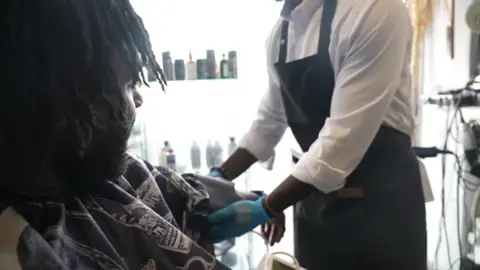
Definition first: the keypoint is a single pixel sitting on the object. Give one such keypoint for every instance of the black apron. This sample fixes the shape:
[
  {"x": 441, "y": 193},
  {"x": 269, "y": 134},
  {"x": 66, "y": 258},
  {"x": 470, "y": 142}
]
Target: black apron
[{"x": 381, "y": 224}]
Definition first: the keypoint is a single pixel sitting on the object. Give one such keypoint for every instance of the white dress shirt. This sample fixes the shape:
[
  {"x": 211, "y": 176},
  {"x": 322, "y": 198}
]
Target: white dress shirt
[{"x": 370, "y": 53}]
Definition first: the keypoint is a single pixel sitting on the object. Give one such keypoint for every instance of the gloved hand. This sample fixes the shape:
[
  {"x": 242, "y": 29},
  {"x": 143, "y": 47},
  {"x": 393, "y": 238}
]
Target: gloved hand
[
  {"x": 237, "y": 219},
  {"x": 216, "y": 173}
]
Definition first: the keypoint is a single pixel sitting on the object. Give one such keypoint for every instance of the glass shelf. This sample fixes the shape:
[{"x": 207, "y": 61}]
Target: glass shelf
[{"x": 201, "y": 110}]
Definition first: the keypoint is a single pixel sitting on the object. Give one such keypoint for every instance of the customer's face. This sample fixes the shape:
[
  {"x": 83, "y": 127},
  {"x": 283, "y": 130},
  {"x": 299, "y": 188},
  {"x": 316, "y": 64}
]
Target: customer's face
[
  {"x": 129, "y": 93},
  {"x": 68, "y": 101},
  {"x": 137, "y": 97},
  {"x": 104, "y": 156}
]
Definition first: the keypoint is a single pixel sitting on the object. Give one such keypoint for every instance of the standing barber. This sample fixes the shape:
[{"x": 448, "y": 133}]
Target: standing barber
[{"x": 339, "y": 78}]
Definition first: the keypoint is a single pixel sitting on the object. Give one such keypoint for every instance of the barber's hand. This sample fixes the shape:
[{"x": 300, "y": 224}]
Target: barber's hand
[
  {"x": 237, "y": 219},
  {"x": 276, "y": 227},
  {"x": 216, "y": 173}
]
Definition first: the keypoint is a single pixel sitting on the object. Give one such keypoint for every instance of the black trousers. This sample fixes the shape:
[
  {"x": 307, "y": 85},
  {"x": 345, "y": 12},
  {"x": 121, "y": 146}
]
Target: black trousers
[{"x": 384, "y": 229}]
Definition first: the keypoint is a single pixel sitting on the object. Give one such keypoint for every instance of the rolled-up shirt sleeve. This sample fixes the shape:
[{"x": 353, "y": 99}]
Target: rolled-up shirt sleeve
[
  {"x": 268, "y": 127},
  {"x": 365, "y": 85}
]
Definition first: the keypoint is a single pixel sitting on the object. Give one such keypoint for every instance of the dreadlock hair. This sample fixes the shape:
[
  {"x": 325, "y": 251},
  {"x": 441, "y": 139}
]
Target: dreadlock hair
[{"x": 61, "y": 87}]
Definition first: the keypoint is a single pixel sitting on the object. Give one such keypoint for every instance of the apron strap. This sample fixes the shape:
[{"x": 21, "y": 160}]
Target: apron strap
[
  {"x": 283, "y": 43},
  {"x": 329, "y": 7}
]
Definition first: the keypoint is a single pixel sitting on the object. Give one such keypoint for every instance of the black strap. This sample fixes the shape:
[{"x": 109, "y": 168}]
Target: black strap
[
  {"x": 329, "y": 7},
  {"x": 283, "y": 42},
  {"x": 328, "y": 13}
]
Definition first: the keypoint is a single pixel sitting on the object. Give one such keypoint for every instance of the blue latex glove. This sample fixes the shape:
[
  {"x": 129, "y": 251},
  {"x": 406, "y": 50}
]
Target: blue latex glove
[
  {"x": 237, "y": 219},
  {"x": 216, "y": 173}
]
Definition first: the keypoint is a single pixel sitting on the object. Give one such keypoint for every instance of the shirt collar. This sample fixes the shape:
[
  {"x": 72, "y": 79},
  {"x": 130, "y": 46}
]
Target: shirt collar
[{"x": 302, "y": 13}]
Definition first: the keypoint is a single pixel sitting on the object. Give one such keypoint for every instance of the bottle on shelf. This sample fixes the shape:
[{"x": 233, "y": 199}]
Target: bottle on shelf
[
  {"x": 218, "y": 154},
  {"x": 179, "y": 70},
  {"x": 168, "y": 66},
  {"x": 171, "y": 160},
  {"x": 224, "y": 67},
  {"x": 232, "y": 146},
  {"x": 232, "y": 64},
  {"x": 202, "y": 69},
  {"x": 211, "y": 65},
  {"x": 210, "y": 155},
  {"x": 191, "y": 68},
  {"x": 196, "y": 156},
  {"x": 163, "y": 154},
  {"x": 150, "y": 75}
]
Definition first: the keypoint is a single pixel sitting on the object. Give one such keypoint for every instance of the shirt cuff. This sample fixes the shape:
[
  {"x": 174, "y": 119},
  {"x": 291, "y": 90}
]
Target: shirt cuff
[
  {"x": 257, "y": 146},
  {"x": 319, "y": 174}
]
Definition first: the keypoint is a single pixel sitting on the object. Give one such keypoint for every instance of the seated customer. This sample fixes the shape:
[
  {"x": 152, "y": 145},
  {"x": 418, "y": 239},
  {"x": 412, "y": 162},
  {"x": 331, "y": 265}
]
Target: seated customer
[{"x": 66, "y": 114}]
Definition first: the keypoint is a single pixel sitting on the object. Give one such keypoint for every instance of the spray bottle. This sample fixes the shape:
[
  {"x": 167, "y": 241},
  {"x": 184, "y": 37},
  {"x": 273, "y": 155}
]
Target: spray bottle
[
  {"x": 232, "y": 146},
  {"x": 171, "y": 160},
  {"x": 163, "y": 154},
  {"x": 218, "y": 154},
  {"x": 210, "y": 155},
  {"x": 196, "y": 156}
]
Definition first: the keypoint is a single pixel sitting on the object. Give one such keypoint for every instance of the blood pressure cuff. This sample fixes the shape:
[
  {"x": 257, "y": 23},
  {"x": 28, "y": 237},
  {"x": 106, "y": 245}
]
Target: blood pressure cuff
[
  {"x": 127, "y": 223},
  {"x": 221, "y": 194}
]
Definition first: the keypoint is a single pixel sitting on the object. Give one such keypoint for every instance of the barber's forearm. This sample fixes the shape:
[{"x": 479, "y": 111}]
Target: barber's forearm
[
  {"x": 288, "y": 193},
  {"x": 238, "y": 163}
]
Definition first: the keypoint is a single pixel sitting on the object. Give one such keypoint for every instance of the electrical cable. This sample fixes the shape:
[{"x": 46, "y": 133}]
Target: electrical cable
[
  {"x": 442, "y": 227},
  {"x": 469, "y": 221},
  {"x": 449, "y": 135},
  {"x": 433, "y": 152},
  {"x": 442, "y": 221},
  {"x": 454, "y": 121}
]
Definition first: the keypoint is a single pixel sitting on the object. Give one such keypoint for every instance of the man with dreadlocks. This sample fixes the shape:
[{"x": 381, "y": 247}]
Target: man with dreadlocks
[{"x": 71, "y": 198}]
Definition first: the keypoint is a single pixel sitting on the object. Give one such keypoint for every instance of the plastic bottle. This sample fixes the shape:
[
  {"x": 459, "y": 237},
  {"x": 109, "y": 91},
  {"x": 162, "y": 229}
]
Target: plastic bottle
[
  {"x": 224, "y": 67},
  {"x": 179, "y": 67},
  {"x": 232, "y": 64},
  {"x": 168, "y": 68},
  {"x": 171, "y": 160},
  {"x": 218, "y": 154},
  {"x": 191, "y": 68},
  {"x": 232, "y": 146},
  {"x": 196, "y": 156},
  {"x": 163, "y": 154},
  {"x": 210, "y": 155},
  {"x": 211, "y": 65}
]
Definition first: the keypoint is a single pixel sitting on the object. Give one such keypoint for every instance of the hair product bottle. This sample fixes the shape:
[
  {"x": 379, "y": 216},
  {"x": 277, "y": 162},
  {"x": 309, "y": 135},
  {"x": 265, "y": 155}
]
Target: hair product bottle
[
  {"x": 196, "y": 156},
  {"x": 168, "y": 66},
  {"x": 211, "y": 65},
  {"x": 224, "y": 67},
  {"x": 191, "y": 68},
  {"x": 171, "y": 160},
  {"x": 179, "y": 70},
  {"x": 210, "y": 155},
  {"x": 163, "y": 154},
  {"x": 232, "y": 146},
  {"x": 218, "y": 154},
  {"x": 232, "y": 64}
]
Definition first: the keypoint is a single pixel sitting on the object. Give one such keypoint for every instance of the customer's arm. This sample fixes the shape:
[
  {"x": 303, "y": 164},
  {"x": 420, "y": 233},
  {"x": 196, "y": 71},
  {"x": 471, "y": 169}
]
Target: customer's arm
[{"x": 264, "y": 134}]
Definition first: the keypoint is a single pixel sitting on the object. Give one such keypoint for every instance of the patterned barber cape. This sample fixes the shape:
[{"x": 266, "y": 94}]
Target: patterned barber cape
[{"x": 149, "y": 219}]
